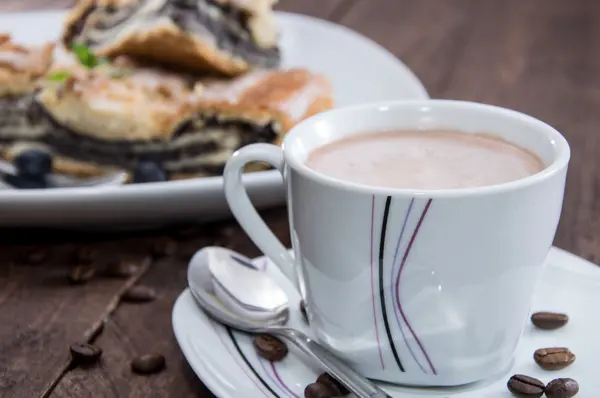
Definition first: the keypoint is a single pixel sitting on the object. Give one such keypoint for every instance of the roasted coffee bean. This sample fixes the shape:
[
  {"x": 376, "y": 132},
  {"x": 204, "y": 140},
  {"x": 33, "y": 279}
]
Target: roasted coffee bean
[
  {"x": 562, "y": 388},
  {"x": 139, "y": 294},
  {"x": 525, "y": 386},
  {"x": 303, "y": 311},
  {"x": 80, "y": 274},
  {"x": 85, "y": 354},
  {"x": 316, "y": 390},
  {"x": 333, "y": 385},
  {"x": 148, "y": 364},
  {"x": 549, "y": 320},
  {"x": 553, "y": 358},
  {"x": 121, "y": 269},
  {"x": 164, "y": 247},
  {"x": 270, "y": 347}
]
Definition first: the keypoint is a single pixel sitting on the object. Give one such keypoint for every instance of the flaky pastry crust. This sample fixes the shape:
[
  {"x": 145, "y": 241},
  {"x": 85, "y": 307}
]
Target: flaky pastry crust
[
  {"x": 21, "y": 67},
  {"x": 113, "y": 103},
  {"x": 179, "y": 48},
  {"x": 164, "y": 41},
  {"x": 269, "y": 102},
  {"x": 287, "y": 96}
]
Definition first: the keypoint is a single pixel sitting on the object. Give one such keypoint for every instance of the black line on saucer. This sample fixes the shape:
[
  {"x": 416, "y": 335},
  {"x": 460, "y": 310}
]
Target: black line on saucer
[
  {"x": 386, "y": 213},
  {"x": 239, "y": 350},
  {"x": 245, "y": 263}
]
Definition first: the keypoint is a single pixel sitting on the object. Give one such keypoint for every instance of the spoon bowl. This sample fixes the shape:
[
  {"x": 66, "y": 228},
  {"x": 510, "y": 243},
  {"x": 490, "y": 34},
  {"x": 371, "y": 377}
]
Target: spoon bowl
[
  {"x": 213, "y": 307},
  {"x": 201, "y": 273}
]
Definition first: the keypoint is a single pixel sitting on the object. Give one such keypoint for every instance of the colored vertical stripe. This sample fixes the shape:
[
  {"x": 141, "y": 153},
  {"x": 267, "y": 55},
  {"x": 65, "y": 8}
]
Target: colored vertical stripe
[
  {"x": 281, "y": 382},
  {"x": 372, "y": 261},
  {"x": 394, "y": 277},
  {"x": 213, "y": 323},
  {"x": 273, "y": 378},
  {"x": 245, "y": 263},
  {"x": 402, "y": 264},
  {"x": 384, "y": 222}
]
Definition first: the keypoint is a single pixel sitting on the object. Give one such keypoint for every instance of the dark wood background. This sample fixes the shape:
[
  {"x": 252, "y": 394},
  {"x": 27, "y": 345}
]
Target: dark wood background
[{"x": 537, "y": 56}]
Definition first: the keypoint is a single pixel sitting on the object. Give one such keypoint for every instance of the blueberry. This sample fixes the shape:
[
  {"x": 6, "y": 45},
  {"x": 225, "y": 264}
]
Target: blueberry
[
  {"x": 25, "y": 182},
  {"x": 148, "y": 172},
  {"x": 33, "y": 163}
]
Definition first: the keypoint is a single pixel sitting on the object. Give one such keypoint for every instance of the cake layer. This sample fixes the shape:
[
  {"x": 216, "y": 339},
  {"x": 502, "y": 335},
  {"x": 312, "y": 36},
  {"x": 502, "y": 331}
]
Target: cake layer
[
  {"x": 151, "y": 104},
  {"x": 288, "y": 95},
  {"x": 193, "y": 34},
  {"x": 201, "y": 144},
  {"x": 21, "y": 119},
  {"x": 84, "y": 168},
  {"x": 21, "y": 67},
  {"x": 98, "y": 119},
  {"x": 114, "y": 102},
  {"x": 22, "y": 71}
]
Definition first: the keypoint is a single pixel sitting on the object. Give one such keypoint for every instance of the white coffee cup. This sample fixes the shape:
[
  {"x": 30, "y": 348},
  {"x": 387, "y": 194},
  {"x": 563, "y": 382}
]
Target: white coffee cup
[{"x": 414, "y": 287}]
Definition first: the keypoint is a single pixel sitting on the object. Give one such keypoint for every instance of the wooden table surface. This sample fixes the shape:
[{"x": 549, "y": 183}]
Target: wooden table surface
[{"x": 541, "y": 57}]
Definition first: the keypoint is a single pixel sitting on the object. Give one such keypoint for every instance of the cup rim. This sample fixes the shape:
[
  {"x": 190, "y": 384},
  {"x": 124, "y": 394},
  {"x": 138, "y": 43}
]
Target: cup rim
[{"x": 559, "y": 163}]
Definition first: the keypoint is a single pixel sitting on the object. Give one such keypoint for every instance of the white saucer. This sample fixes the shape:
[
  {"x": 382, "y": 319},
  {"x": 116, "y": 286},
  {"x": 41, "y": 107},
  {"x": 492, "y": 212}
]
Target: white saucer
[
  {"x": 359, "y": 69},
  {"x": 227, "y": 363}
]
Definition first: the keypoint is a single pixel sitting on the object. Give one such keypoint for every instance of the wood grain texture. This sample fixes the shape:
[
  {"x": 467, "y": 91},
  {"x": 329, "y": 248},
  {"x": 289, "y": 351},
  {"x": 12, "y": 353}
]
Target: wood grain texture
[
  {"x": 541, "y": 60},
  {"x": 41, "y": 315},
  {"x": 136, "y": 329},
  {"x": 133, "y": 330},
  {"x": 538, "y": 59},
  {"x": 537, "y": 56},
  {"x": 428, "y": 36}
]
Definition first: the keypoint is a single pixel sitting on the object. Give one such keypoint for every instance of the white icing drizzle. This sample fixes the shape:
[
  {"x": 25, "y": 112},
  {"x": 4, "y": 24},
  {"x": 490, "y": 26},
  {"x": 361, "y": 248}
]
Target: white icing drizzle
[
  {"x": 253, "y": 5},
  {"x": 140, "y": 20},
  {"x": 297, "y": 105},
  {"x": 17, "y": 60},
  {"x": 145, "y": 104},
  {"x": 33, "y": 59},
  {"x": 294, "y": 105},
  {"x": 143, "y": 86},
  {"x": 228, "y": 91},
  {"x": 262, "y": 23}
]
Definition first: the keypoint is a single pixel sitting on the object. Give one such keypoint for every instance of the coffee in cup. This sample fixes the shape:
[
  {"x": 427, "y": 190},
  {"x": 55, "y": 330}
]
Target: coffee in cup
[
  {"x": 429, "y": 159},
  {"x": 417, "y": 240}
]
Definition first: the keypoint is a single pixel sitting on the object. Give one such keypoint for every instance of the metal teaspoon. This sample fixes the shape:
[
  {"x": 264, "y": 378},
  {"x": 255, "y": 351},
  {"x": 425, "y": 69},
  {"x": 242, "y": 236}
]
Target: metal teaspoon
[{"x": 272, "y": 318}]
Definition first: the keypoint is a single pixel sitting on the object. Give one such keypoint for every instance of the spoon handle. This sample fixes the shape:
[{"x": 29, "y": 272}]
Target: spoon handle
[{"x": 352, "y": 380}]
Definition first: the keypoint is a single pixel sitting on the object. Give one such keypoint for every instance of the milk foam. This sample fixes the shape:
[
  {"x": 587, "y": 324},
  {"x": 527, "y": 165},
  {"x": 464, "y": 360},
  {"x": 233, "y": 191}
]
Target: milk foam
[{"x": 430, "y": 159}]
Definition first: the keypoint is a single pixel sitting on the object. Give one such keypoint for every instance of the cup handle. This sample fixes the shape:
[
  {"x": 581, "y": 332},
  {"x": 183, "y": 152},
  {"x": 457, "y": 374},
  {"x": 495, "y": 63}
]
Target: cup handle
[{"x": 245, "y": 212}]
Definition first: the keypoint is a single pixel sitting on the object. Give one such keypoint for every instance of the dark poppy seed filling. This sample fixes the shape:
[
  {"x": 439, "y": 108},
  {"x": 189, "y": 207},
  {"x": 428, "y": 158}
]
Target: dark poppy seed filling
[
  {"x": 201, "y": 144},
  {"x": 20, "y": 119},
  {"x": 225, "y": 24},
  {"x": 75, "y": 29}
]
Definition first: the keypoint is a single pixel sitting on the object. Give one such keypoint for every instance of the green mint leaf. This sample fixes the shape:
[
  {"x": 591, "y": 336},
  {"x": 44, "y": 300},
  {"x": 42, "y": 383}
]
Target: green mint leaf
[
  {"x": 85, "y": 56},
  {"x": 59, "y": 76}
]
